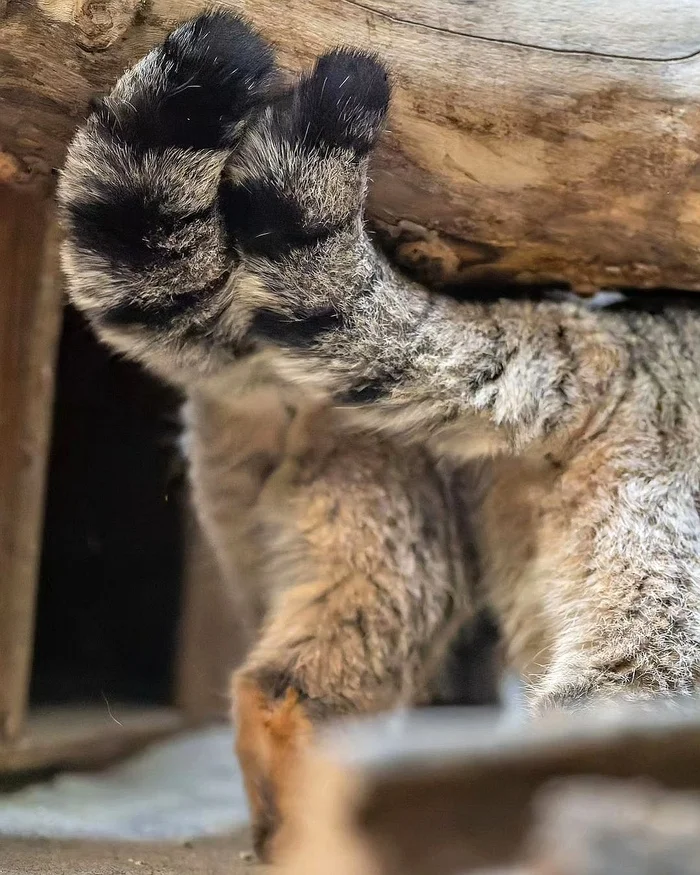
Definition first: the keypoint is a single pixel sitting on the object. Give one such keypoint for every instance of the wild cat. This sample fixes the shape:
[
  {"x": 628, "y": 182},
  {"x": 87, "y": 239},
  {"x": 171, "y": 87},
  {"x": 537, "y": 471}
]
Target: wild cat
[{"x": 214, "y": 224}]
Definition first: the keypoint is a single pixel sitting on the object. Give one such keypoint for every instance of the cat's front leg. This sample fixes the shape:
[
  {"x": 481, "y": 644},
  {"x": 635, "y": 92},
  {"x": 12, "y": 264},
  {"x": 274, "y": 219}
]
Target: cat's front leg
[{"x": 336, "y": 319}]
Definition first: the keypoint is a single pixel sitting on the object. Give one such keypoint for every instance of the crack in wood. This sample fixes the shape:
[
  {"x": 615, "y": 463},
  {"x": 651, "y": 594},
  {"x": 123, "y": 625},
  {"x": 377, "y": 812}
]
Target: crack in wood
[{"x": 581, "y": 53}]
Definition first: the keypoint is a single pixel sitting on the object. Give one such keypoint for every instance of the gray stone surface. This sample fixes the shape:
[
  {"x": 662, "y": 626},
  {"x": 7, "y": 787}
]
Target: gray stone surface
[{"x": 189, "y": 786}]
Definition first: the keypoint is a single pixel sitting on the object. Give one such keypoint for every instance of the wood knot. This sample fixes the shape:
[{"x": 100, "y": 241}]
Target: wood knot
[
  {"x": 434, "y": 258},
  {"x": 100, "y": 23},
  {"x": 10, "y": 168},
  {"x": 12, "y": 171}
]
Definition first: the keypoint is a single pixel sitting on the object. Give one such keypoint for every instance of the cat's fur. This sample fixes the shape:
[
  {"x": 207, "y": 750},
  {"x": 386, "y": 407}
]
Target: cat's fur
[{"x": 215, "y": 233}]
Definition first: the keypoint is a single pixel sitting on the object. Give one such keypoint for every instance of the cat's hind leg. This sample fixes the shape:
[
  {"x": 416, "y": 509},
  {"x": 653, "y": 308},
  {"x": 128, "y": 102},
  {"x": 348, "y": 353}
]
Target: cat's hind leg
[
  {"x": 599, "y": 597},
  {"x": 368, "y": 585}
]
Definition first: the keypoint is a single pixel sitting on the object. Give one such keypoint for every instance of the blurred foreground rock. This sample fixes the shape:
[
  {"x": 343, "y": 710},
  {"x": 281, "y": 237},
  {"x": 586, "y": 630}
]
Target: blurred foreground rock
[{"x": 615, "y": 792}]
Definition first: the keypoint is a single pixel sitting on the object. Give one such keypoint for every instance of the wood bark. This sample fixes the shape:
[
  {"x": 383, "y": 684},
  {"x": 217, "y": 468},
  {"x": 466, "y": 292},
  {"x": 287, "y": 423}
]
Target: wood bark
[
  {"x": 544, "y": 140},
  {"x": 86, "y": 736}
]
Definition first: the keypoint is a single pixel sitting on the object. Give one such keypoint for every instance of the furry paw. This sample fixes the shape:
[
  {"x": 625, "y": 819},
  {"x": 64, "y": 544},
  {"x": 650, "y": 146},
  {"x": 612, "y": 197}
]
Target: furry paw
[
  {"x": 196, "y": 90},
  {"x": 299, "y": 177},
  {"x": 271, "y": 735},
  {"x": 343, "y": 102}
]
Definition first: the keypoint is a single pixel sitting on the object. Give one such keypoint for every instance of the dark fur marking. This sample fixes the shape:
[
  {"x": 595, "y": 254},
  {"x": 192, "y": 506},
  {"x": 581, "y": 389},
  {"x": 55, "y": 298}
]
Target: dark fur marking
[
  {"x": 298, "y": 332},
  {"x": 268, "y": 820},
  {"x": 386, "y": 598},
  {"x": 275, "y": 682},
  {"x": 265, "y": 221},
  {"x": 323, "y": 597},
  {"x": 333, "y": 105},
  {"x": 683, "y": 353},
  {"x": 569, "y": 371},
  {"x": 163, "y": 314},
  {"x": 123, "y": 227},
  {"x": 489, "y": 372},
  {"x": 368, "y": 393},
  {"x": 492, "y": 369}
]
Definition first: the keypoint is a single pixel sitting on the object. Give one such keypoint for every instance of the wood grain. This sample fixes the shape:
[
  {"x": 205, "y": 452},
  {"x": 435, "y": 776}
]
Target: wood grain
[
  {"x": 648, "y": 30},
  {"x": 541, "y": 141},
  {"x": 30, "y": 308},
  {"x": 538, "y": 164},
  {"x": 99, "y": 25}
]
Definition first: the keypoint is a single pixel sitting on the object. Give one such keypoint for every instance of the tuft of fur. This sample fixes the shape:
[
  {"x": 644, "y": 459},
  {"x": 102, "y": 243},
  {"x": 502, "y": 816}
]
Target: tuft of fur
[{"x": 215, "y": 233}]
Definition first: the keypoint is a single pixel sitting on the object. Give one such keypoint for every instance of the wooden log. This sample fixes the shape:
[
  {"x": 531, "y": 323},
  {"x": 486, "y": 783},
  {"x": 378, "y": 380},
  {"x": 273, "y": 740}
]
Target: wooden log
[
  {"x": 30, "y": 308},
  {"x": 542, "y": 140},
  {"x": 445, "y": 792}
]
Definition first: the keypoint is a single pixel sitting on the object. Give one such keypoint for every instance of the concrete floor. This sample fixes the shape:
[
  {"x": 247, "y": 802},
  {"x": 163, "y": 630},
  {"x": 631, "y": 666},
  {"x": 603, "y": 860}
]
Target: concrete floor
[
  {"x": 201, "y": 857},
  {"x": 177, "y": 808},
  {"x": 188, "y": 787}
]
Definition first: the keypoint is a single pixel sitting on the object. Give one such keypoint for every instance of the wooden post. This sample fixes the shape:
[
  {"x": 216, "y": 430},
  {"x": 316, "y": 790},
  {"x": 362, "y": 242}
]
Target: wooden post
[{"x": 30, "y": 307}]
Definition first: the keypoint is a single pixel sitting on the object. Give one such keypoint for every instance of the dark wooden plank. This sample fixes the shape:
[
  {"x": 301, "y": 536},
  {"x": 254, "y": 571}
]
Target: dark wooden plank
[
  {"x": 447, "y": 791},
  {"x": 30, "y": 307}
]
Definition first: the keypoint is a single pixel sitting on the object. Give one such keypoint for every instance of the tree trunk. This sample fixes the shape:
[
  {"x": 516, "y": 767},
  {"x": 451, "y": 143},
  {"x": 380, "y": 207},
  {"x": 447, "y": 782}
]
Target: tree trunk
[{"x": 542, "y": 140}]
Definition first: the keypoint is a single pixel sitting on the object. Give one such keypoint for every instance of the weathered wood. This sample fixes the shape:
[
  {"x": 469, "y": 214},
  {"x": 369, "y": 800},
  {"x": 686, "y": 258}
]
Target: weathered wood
[
  {"x": 594, "y": 826},
  {"x": 30, "y": 307},
  {"x": 544, "y": 164},
  {"x": 646, "y": 30},
  {"x": 99, "y": 25},
  {"x": 439, "y": 793},
  {"x": 548, "y": 141},
  {"x": 85, "y": 736}
]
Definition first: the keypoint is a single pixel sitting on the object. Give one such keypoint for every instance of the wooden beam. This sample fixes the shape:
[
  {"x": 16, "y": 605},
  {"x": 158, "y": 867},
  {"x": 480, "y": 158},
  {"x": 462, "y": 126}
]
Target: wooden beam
[
  {"x": 30, "y": 308},
  {"x": 586, "y": 826}
]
